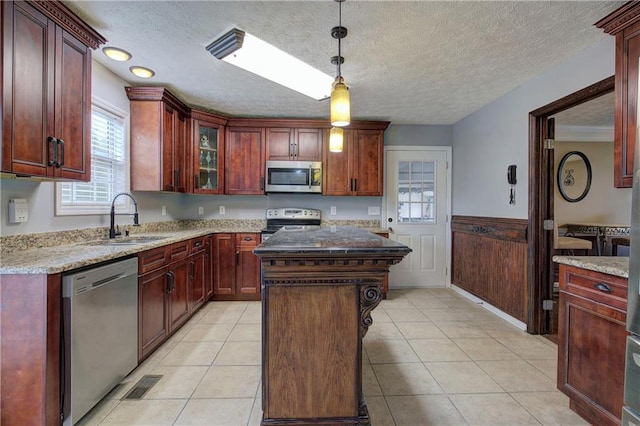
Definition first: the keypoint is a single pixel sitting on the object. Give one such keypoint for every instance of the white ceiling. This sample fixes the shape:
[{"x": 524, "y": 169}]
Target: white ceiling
[{"x": 420, "y": 62}]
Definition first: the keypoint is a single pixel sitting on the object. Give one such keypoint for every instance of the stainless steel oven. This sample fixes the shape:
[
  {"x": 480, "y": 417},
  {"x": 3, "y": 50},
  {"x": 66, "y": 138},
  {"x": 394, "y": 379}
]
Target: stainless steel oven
[
  {"x": 294, "y": 176},
  {"x": 289, "y": 216}
]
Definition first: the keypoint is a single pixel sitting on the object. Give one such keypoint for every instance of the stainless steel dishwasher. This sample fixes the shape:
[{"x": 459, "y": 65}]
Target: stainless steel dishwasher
[{"x": 100, "y": 333}]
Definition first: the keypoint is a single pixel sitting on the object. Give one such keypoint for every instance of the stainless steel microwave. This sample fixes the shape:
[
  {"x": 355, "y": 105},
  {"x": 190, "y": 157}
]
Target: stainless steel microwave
[{"x": 294, "y": 176}]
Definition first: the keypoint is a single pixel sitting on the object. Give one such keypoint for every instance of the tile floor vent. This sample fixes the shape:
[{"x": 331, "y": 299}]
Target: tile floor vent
[{"x": 143, "y": 386}]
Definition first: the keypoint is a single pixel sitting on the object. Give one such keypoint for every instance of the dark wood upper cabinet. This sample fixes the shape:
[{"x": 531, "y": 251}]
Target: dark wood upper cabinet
[
  {"x": 206, "y": 153},
  {"x": 244, "y": 161},
  {"x": 296, "y": 144},
  {"x": 159, "y": 126},
  {"x": 624, "y": 24},
  {"x": 358, "y": 169},
  {"x": 46, "y": 85}
]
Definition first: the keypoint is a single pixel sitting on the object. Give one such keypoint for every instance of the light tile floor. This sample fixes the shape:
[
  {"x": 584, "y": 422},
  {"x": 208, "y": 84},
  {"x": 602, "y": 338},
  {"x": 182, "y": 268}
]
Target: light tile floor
[{"x": 431, "y": 357}]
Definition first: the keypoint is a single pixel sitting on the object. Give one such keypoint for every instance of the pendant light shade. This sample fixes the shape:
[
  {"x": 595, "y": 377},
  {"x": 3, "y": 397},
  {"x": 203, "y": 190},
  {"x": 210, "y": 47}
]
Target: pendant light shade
[
  {"x": 340, "y": 104},
  {"x": 336, "y": 139}
]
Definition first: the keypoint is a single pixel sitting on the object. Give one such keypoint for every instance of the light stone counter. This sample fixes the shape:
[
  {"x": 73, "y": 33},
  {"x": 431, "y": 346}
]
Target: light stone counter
[
  {"x": 612, "y": 265},
  {"x": 55, "y": 252}
]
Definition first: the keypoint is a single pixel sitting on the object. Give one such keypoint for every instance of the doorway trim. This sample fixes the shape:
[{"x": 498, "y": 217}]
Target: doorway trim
[{"x": 541, "y": 191}]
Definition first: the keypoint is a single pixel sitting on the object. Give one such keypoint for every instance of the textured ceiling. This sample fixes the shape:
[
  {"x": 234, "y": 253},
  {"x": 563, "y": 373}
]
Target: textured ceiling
[
  {"x": 420, "y": 62},
  {"x": 598, "y": 112}
]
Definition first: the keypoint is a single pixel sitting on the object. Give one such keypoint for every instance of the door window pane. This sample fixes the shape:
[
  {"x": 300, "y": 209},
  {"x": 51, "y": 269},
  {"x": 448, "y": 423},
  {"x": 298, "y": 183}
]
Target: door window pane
[{"x": 416, "y": 192}]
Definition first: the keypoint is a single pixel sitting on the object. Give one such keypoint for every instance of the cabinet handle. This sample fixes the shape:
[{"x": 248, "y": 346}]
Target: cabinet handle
[
  {"x": 237, "y": 257},
  {"x": 170, "y": 282},
  {"x": 603, "y": 287},
  {"x": 196, "y": 182},
  {"x": 61, "y": 162},
  {"x": 261, "y": 184},
  {"x": 176, "y": 177},
  {"x": 247, "y": 238},
  {"x": 193, "y": 269},
  {"x": 197, "y": 243},
  {"x": 355, "y": 184},
  {"x": 54, "y": 150}
]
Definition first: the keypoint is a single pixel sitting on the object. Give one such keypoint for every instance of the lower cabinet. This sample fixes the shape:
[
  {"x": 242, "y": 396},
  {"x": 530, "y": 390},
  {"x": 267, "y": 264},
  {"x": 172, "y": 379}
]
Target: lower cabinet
[
  {"x": 236, "y": 270},
  {"x": 171, "y": 286},
  {"x": 591, "y": 343}
]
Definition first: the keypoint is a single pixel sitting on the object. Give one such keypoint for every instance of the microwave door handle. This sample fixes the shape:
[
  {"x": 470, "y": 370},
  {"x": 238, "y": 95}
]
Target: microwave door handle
[{"x": 310, "y": 177}]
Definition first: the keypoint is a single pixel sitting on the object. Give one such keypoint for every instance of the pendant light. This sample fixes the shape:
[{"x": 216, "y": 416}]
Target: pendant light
[
  {"x": 336, "y": 138},
  {"x": 340, "y": 104}
]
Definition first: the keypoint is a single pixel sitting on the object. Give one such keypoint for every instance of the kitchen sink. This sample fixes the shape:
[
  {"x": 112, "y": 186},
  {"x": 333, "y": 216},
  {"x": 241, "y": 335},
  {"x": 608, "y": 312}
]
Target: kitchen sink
[{"x": 126, "y": 241}]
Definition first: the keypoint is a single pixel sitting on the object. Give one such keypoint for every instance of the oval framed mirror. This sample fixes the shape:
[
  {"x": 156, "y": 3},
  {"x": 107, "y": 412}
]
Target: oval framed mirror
[{"x": 574, "y": 176}]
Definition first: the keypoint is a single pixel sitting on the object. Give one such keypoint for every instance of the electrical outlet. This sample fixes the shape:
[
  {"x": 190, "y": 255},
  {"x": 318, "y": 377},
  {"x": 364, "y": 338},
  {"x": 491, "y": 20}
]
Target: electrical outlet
[
  {"x": 221, "y": 210},
  {"x": 373, "y": 211},
  {"x": 200, "y": 210},
  {"x": 333, "y": 210},
  {"x": 164, "y": 210}
]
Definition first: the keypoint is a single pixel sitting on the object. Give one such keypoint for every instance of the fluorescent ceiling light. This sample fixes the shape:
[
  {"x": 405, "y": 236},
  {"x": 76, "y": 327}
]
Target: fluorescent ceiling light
[{"x": 248, "y": 52}]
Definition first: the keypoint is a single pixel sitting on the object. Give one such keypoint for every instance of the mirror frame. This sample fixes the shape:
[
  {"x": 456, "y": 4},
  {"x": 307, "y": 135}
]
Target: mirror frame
[{"x": 559, "y": 177}]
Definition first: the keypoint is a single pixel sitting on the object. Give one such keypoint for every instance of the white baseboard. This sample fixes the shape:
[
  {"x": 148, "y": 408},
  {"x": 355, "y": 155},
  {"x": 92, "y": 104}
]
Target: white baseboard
[{"x": 490, "y": 308}]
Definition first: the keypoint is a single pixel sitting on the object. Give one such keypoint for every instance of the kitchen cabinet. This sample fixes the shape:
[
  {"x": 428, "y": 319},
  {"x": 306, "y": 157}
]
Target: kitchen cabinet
[
  {"x": 295, "y": 144},
  {"x": 46, "y": 85},
  {"x": 237, "y": 270},
  {"x": 591, "y": 343},
  {"x": 198, "y": 264},
  {"x": 357, "y": 170},
  {"x": 30, "y": 349},
  {"x": 207, "y": 153},
  {"x": 170, "y": 289},
  {"x": 159, "y": 127},
  {"x": 624, "y": 24},
  {"x": 244, "y": 161}
]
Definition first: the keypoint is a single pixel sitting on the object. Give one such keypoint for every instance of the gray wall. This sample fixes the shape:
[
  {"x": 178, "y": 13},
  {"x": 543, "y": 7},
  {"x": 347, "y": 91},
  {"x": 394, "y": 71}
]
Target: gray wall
[
  {"x": 486, "y": 142},
  {"x": 428, "y": 135}
]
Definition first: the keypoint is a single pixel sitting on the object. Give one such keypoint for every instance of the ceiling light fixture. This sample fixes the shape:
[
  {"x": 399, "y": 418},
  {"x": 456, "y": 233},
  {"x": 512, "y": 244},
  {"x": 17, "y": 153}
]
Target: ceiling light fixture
[
  {"x": 340, "y": 103},
  {"x": 252, "y": 54},
  {"x": 142, "y": 72},
  {"x": 116, "y": 54}
]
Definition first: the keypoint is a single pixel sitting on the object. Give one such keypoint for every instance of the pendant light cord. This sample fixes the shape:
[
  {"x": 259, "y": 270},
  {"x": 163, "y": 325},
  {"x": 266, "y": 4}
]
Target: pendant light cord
[{"x": 339, "y": 38}]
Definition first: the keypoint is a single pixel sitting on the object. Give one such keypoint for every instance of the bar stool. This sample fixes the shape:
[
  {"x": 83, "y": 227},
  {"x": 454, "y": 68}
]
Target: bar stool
[
  {"x": 618, "y": 241},
  {"x": 570, "y": 244}
]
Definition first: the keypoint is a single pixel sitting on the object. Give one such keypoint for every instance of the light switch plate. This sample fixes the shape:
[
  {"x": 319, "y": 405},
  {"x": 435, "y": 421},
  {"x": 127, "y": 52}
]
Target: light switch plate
[{"x": 373, "y": 211}]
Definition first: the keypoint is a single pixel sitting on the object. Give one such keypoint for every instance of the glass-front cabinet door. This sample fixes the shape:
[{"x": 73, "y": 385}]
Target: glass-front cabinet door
[{"x": 207, "y": 154}]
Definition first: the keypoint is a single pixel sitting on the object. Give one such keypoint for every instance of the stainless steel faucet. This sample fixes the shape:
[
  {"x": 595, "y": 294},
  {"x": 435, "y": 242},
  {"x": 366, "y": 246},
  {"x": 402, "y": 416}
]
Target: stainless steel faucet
[{"x": 112, "y": 228}]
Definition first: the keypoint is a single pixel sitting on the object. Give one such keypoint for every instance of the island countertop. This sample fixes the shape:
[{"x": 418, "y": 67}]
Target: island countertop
[{"x": 328, "y": 239}]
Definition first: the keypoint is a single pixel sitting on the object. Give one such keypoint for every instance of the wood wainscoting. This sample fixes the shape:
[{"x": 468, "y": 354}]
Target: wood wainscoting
[{"x": 489, "y": 260}]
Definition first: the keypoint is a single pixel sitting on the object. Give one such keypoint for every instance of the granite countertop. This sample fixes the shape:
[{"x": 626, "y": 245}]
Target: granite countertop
[
  {"x": 612, "y": 265},
  {"x": 328, "y": 239},
  {"x": 56, "y": 252}
]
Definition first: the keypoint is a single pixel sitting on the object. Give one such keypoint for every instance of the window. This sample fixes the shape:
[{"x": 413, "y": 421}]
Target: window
[
  {"x": 416, "y": 192},
  {"x": 109, "y": 167}
]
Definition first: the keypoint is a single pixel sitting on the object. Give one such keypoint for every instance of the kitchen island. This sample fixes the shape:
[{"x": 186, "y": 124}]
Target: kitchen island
[{"x": 319, "y": 286}]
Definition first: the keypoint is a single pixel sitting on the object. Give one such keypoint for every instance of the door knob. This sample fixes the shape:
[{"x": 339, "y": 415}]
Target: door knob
[{"x": 390, "y": 220}]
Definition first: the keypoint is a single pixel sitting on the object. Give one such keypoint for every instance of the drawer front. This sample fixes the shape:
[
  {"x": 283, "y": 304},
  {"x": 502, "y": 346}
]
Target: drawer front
[
  {"x": 250, "y": 239},
  {"x": 152, "y": 259},
  {"x": 198, "y": 244},
  {"x": 179, "y": 250},
  {"x": 603, "y": 288}
]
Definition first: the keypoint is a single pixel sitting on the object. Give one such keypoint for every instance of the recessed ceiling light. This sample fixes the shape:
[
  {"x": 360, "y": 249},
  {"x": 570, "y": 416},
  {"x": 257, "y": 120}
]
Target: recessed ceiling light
[
  {"x": 116, "y": 54},
  {"x": 142, "y": 72},
  {"x": 252, "y": 54}
]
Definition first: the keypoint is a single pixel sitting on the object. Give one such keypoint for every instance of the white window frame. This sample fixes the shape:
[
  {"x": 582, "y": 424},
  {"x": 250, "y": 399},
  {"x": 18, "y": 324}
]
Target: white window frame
[{"x": 123, "y": 204}]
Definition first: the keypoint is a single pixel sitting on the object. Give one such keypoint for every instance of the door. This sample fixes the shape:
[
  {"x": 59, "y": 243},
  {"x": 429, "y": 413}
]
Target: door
[{"x": 417, "y": 211}]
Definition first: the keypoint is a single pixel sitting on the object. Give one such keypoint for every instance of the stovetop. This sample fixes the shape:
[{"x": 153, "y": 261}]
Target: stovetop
[{"x": 277, "y": 218}]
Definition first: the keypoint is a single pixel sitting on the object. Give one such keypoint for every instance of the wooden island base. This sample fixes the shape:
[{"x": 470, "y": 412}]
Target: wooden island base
[{"x": 316, "y": 305}]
